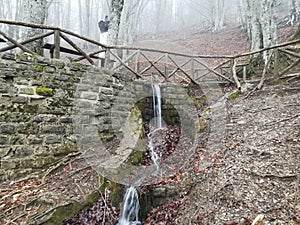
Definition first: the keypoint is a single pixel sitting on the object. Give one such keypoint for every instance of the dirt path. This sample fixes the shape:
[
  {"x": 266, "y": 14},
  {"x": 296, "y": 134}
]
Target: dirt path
[{"x": 258, "y": 170}]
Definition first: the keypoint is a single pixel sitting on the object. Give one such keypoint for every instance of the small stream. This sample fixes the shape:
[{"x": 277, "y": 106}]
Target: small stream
[{"x": 130, "y": 205}]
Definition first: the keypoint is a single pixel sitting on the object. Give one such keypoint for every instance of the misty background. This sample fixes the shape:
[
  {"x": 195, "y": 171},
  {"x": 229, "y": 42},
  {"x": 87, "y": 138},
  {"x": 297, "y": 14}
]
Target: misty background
[{"x": 138, "y": 16}]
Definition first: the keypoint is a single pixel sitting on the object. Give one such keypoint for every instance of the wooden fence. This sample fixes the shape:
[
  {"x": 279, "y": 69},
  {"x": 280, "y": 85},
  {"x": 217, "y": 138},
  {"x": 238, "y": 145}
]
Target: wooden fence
[{"x": 145, "y": 62}]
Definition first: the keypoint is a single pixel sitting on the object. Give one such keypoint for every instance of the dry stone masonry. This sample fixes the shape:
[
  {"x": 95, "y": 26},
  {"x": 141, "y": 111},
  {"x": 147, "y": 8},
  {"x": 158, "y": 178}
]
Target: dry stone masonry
[{"x": 39, "y": 98}]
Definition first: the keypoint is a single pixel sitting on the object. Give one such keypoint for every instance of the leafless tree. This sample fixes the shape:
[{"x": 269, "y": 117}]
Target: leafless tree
[
  {"x": 261, "y": 22},
  {"x": 115, "y": 20},
  {"x": 34, "y": 11}
]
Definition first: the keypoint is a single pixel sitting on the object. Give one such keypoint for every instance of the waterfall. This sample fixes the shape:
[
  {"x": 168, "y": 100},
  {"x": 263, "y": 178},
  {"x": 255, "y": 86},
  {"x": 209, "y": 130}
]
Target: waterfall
[
  {"x": 156, "y": 95},
  {"x": 154, "y": 156},
  {"x": 130, "y": 208}
]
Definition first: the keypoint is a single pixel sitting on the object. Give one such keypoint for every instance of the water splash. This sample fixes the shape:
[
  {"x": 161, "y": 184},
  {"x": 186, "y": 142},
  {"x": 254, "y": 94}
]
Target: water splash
[{"x": 130, "y": 208}]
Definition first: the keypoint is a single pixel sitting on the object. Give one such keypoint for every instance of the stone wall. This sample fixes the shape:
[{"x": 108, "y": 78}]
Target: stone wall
[
  {"x": 37, "y": 111},
  {"x": 43, "y": 101}
]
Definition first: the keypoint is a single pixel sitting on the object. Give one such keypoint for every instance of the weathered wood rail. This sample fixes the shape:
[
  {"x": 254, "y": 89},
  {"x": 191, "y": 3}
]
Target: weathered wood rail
[{"x": 146, "y": 62}]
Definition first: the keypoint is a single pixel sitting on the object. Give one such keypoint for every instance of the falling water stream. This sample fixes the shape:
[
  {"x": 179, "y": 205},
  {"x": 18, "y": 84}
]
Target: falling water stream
[
  {"x": 156, "y": 95},
  {"x": 130, "y": 207}
]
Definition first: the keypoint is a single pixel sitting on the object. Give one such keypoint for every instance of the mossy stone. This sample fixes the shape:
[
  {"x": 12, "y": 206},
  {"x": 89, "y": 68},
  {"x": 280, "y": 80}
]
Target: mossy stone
[
  {"x": 234, "y": 94},
  {"x": 27, "y": 91},
  {"x": 44, "y": 91}
]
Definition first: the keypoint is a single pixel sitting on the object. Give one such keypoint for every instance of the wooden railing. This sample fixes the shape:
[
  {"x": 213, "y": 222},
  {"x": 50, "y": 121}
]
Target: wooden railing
[{"x": 147, "y": 63}]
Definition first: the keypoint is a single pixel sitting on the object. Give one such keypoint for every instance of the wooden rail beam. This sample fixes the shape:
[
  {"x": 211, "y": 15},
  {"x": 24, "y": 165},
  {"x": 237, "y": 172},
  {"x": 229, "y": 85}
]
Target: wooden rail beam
[
  {"x": 125, "y": 61},
  {"x": 127, "y": 67},
  {"x": 214, "y": 71},
  {"x": 153, "y": 65},
  {"x": 149, "y": 67},
  {"x": 76, "y": 47},
  {"x": 17, "y": 43},
  {"x": 26, "y": 41}
]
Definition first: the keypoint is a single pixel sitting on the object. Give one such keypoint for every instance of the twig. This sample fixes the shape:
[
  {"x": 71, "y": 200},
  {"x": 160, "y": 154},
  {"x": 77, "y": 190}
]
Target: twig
[
  {"x": 59, "y": 164},
  {"x": 269, "y": 175},
  {"x": 16, "y": 218},
  {"x": 282, "y": 120},
  {"x": 104, "y": 201},
  {"x": 79, "y": 188}
]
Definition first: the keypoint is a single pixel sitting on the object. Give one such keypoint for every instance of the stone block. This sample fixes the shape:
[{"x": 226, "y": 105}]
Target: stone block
[
  {"x": 7, "y": 129},
  {"x": 28, "y": 128},
  {"x": 20, "y": 100},
  {"x": 4, "y": 139},
  {"x": 52, "y": 139},
  {"x": 8, "y": 164},
  {"x": 50, "y": 69},
  {"x": 66, "y": 119},
  {"x": 8, "y": 56},
  {"x": 17, "y": 140},
  {"x": 89, "y": 95},
  {"x": 26, "y": 91},
  {"x": 23, "y": 151},
  {"x": 37, "y": 119},
  {"x": 54, "y": 129},
  {"x": 106, "y": 91},
  {"x": 34, "y": 140}
]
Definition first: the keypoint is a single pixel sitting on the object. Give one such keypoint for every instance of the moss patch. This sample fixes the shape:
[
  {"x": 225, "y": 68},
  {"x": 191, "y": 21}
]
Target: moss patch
[
  {"x": 234, "y": 94},
  {"x": 71, "y": 209},
  {"x": 39, "y": 67},
  {"x": 44, "y": 91}
]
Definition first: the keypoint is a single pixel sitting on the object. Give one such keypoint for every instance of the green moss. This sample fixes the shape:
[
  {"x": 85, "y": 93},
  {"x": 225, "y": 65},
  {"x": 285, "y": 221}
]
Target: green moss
[
  {"x": 296, "y": 35},
  {"x": 39, "y": 67},
  {"x": 69, "y": 210},
  {"x": 234, "y": 94},
  {"x": 25, "y": 57},
  {"x": 45, "y": 91},
  {"x": 199, "y": 101},
  {"x": 201, "y": 123},
  {"x": 77, "y": 64},
  {"x": 30, "y": 108},
  {"x": 135, "y": 158}
]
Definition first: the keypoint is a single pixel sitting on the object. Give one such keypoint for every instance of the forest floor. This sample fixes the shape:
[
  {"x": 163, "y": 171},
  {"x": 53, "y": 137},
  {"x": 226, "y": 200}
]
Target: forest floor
[
  {"x": 246, "y": 164},
  {"x": 252, "y": 171}
]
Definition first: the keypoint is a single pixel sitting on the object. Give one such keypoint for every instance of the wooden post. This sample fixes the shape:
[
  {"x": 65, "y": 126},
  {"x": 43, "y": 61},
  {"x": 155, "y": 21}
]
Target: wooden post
[
  {"x": 137, "y": 61},
  {"x": 56, "y": 50},
  {"x": 107, "y": 58},
  {"x": 276, "y": 63},
  {"x": 233, "y": 70},
  {"x": 193, "y": 68},
  {"x": 244, "y": 73},
  {"x": 166, "y": 66}
]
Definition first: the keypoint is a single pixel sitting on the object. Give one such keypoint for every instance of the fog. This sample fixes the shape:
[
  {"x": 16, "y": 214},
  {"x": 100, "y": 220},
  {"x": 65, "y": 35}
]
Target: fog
[{"x": 138, "y": 17}]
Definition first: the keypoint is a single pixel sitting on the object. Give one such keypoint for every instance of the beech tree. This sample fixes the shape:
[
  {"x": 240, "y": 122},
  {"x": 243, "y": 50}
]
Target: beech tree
[
  {"x": 294, "y": 6},
  {"x": 261, "y": 22},
  {"x": 218, "y": 14},
  {"x": 34, "y": 11},
  {"x": 115, "y": 19},
  {"x": 131, "y": 15}
]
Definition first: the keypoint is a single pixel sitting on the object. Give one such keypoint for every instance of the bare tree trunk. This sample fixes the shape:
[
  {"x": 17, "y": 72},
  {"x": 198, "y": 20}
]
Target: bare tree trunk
[
  {"x": 114, "y": 27},
  {"x": 261, "y": 19},
  {"x": 80, "y": 17},
  {"x": 34, "y": 12},
  {"x": 294, "y": 6},
  {"x": 67, "y": 21},
  {"x": 219, "y": 14}
]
